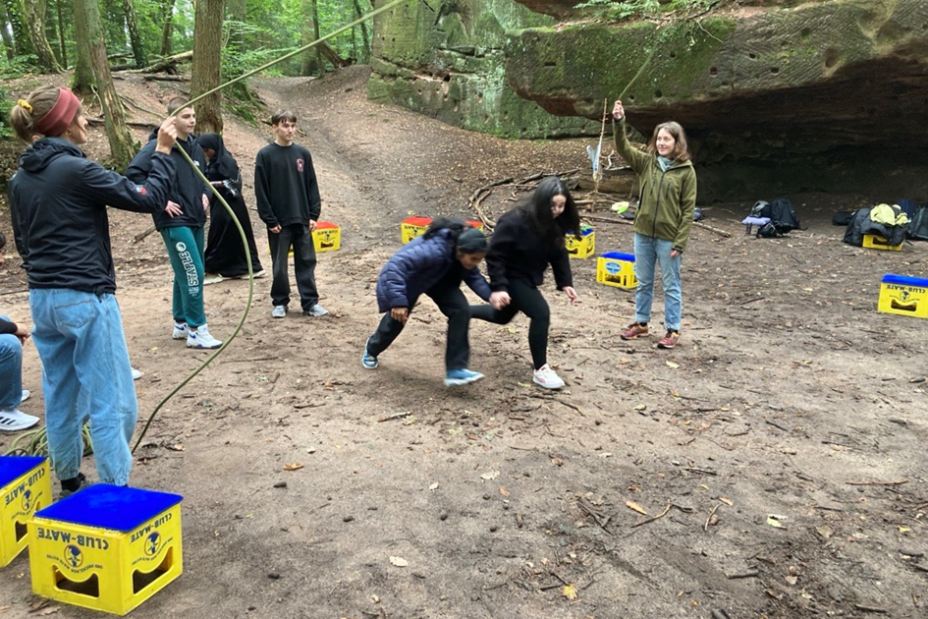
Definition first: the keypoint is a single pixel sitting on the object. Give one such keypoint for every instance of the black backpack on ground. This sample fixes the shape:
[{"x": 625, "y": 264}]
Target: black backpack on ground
[
  {"x": 918, "y": 226},
  {"x": 783, "y": 216}
]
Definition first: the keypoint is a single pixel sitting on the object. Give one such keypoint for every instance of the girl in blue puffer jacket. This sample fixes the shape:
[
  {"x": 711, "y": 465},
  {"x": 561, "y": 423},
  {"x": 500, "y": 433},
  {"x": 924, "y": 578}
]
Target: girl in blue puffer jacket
[{"x": 433, "y": 264}]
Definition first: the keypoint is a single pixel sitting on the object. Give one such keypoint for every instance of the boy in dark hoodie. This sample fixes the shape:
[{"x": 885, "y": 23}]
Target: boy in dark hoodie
[{"x": 183, "y": 233}]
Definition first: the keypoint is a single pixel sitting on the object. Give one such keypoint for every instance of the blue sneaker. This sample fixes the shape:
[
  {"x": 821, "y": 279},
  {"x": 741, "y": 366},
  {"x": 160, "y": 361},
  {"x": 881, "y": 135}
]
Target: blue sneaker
[
  {"x": 461, "y": 377},
  {"x": 368, "y": 360}
]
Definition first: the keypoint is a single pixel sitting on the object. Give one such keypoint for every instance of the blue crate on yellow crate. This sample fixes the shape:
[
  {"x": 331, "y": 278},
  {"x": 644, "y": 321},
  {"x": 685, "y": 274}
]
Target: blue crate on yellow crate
[
  {"x": 106, "y": 547},
  {"x": 25, "y": 487},
  {"x": 327, "y": 236},
  {"x": 585, "y": 246},
  {"x": 616, "y": 269},
  {"x": 903, "y": 295}
]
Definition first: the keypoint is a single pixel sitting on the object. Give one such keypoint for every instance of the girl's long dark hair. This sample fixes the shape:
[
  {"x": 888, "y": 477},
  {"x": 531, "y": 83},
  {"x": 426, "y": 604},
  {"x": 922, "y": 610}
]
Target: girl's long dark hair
[
  {"x": 465, "y": 237},
  {"x": 538, "y": 208}
]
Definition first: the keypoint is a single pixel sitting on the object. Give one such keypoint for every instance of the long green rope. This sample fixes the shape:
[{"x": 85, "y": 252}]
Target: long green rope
[{"x": 36, "y": 442}]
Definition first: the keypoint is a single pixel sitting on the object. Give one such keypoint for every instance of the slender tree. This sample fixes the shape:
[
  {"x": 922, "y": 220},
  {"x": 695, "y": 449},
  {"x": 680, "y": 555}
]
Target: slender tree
[
  {"x": 167, "y": 31},
  {"x": 16, "y": 13},
  {"x": 135, "y": 37},
  {"x": 312, "y": 60},
  {"x": 235, "y": 12},
  {"x": 83, "y": 79},
  {"x": 88, "y": 30},
  {"x": 34, "y": 12},
  {"x": 8, "y": 45},
  {"x": 207, "y": 63},
  {"x": 365, "y": 39},
  {"x": 59, "y": 26}
]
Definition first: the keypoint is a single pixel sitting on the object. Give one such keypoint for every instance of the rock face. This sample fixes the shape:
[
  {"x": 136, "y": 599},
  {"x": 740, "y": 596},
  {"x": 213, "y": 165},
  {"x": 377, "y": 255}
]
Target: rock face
[
  {"x": 820, "y": 96},
  {"x": 444, "y": 58}
]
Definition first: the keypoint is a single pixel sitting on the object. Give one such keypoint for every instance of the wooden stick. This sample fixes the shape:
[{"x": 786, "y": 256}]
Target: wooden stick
[
  {"x": 711, "y": 513},
  {"x": 141, "y": 236},
  {"x": 394, "y": 416},
  {"x": 878, "y": 483},
  {"x": 657, "y": 517},
  {"x": 699, "y": 224}
]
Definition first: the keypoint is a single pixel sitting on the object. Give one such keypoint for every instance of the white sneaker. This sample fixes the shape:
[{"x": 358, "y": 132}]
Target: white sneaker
[
  {"x": 16, "y": 420},
  {"x": 200, "y": 338},
  {"x": 279, "y": 311},
  {"x": 180, "y": 331},
  {"x": 136, "y": 374},
  {"x": 316, "y": 311},
  {"x": 547, "y": 378},
  {"x": 212, "y": 279},
  {"x": 26, "y": 394}
]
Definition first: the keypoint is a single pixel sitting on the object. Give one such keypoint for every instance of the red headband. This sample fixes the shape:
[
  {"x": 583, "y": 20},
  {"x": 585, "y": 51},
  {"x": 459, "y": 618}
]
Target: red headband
[{"x": 61, "y": 115}]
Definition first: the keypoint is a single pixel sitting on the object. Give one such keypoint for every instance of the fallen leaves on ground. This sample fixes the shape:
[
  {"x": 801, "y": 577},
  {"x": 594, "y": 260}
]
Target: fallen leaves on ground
[
  {"x": 293, "y": 466},
  {"x": 635, "y": 507},
  {"x": 399, "y": 561}
]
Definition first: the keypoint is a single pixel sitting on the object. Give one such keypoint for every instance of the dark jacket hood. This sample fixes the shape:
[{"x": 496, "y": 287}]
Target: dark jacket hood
[{"x": 42, "y": 152}]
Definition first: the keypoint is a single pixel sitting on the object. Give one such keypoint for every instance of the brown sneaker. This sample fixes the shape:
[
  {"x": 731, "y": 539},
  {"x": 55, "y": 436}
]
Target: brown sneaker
[
  {"x": 670, "y": 340},
  {"x": 634, "y": 331}
]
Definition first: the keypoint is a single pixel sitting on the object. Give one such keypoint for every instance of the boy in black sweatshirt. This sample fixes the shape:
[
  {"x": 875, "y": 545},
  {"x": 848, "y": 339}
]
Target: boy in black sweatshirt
[
  {"x": 289, "y": 204},
  {"x": 181, "y": 226}
]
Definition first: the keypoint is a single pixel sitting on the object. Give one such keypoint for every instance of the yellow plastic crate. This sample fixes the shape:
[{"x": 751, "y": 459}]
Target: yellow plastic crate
[
  {"x": 25, "y": 487},
  {"x": 616, "y": 269},
  {"x": 411, "y": 227},
  {"x": 903, "y": 295},
  {"x": 585, "y": 246},
  {"x": 106, "y": 547},
  {"x": 875, "y": 241},
  {"x": 327, "y": 236}
]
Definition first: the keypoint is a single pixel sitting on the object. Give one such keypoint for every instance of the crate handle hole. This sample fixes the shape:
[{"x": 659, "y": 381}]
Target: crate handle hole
[
  {"x": 140, "y": 579},
  {"x": 905, "y": 307},
  {"x": 89, "y": 587}
]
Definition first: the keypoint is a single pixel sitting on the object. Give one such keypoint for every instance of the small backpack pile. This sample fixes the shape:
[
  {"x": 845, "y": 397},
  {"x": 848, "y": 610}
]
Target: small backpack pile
[{"x": 781, "y": 214}]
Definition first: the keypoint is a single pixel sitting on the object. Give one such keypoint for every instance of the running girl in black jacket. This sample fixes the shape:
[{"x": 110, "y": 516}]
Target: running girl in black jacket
[
  {"x": 526, "y": 240},
  {"x": 58, "y": 201}
]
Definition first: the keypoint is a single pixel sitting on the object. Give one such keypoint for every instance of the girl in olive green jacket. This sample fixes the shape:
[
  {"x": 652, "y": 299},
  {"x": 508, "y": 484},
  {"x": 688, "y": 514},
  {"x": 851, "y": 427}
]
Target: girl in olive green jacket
[{"x": 667, "y": 185}]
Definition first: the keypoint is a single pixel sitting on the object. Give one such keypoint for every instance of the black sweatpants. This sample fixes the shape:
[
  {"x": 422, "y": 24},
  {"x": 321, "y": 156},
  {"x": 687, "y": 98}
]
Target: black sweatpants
[
  {"x": 452, "y": 303},
  {"x": 526, "y": 298},
  {"x": 300, "y": 238}
]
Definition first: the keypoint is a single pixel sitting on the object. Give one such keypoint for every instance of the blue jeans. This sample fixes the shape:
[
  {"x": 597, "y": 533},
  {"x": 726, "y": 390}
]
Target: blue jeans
[
  {"x": 11, "y": 371},
  {"x": 86, "y": 375},
  {"x": 185, "y": 250},
  {"x": 650, "y": 251}
]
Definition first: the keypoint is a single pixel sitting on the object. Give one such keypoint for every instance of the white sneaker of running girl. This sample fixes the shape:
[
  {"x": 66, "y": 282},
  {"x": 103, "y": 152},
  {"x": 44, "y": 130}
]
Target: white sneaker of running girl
[
  {"x": 200, "y": 338},
  {"x": 16, "y": 420},
  {"x": 26, "y": 394},
  {"x": 180, "y": 331},
  {"x": 547, "y": 378}
]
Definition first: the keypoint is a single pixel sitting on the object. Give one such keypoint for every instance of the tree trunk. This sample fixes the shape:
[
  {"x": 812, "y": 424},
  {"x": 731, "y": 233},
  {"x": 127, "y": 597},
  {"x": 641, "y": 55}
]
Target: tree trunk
[
  {"x": 83, "y": 69},
  {"x": 312, "y": 60},
  {"x": 62, "y": 48},
  {"x": 7, "y": 38},
  {"x": 235, "y": 12},
  {"x": 22, "y": 42},
  {"x": 135, "y": 37},
  {"x": 35, "y": 19},
  {"x": 207, "y": 64},
  {"x": 117, "y": 132},
  {"x": 167, "y": 33},
  {"x": 365, "y": 54}
]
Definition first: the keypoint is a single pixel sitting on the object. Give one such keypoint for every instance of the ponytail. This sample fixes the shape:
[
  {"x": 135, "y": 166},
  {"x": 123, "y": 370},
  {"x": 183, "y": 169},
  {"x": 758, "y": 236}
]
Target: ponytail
[{"x": 48, "y": 111}]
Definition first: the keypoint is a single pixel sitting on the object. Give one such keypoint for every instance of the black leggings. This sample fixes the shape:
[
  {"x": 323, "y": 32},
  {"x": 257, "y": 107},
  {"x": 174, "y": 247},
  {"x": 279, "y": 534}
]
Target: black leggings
[{"x": 527, "y": 299}]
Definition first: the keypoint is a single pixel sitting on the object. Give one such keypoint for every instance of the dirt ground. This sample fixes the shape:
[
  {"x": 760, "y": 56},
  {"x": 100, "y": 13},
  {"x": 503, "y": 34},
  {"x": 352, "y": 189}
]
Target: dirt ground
[{"x": 778, "y": 452}]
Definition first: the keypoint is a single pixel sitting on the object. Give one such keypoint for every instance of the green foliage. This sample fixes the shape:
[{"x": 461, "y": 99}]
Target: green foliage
[{"x": 6, "y": 132}]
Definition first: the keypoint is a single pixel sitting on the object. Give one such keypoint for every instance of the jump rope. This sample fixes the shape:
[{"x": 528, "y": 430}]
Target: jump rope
[{"x": 37, "y": 442}]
